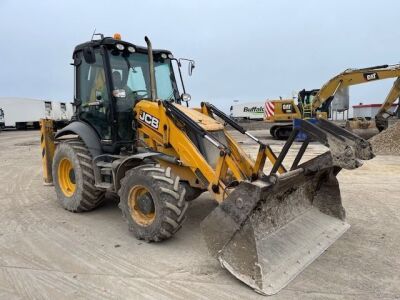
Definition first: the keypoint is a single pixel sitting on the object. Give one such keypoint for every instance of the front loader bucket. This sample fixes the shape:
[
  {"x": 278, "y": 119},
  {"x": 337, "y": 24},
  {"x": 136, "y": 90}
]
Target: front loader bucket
[{"x": 267, "y": 231}]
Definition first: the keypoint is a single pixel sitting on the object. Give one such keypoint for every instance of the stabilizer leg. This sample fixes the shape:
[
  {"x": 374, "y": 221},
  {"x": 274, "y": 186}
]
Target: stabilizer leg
[{"x": 47, "y": 145}]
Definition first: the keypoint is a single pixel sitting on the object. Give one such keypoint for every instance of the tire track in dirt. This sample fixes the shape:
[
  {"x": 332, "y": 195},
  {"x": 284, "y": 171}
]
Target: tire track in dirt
[{"x": 46, "y": 252}]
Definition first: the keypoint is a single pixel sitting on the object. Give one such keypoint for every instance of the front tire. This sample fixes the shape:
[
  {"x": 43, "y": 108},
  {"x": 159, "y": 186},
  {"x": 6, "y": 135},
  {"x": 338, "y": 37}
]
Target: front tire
[
  {"x": 73, "y": 177},
  {"x": 152, "y": 201}
]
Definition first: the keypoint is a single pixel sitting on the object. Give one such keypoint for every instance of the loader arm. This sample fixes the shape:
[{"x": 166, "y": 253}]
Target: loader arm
[
  {"x": 353, "y": 77},
  {"x": 200, "y": 144}
]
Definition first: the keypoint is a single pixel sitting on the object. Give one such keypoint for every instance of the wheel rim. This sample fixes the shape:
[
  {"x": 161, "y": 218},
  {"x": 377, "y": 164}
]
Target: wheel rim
[
  {"x": 141, "y": 205},
  {"x": 66, "y": 177}
]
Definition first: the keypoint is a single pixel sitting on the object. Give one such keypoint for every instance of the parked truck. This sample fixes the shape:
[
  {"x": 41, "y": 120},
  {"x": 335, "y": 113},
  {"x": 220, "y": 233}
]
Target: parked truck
[
  {"x": 248, "y": 111},
  {"x": 62, "y": 113},
  {"x": 24, "y": 113}
]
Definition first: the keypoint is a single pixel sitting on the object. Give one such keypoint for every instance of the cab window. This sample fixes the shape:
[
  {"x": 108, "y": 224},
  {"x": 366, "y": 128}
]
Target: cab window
[{"x": 93, "y": 94}]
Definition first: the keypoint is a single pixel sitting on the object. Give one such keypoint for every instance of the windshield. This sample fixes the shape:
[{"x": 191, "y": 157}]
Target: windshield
[
  {"x": 130, "y": 72},
  {"x": 309, "y": 99}
]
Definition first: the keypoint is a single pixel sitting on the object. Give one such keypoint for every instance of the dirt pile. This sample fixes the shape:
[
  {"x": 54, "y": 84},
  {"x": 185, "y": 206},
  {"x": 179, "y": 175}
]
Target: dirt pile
[{"x": 388, "y": 141}]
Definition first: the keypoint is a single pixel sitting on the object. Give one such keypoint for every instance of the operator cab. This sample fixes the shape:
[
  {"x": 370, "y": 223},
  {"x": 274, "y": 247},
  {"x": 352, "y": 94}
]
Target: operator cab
[
  {"x": 306, "y": 100},
  {"x": 111, "y": 76}
]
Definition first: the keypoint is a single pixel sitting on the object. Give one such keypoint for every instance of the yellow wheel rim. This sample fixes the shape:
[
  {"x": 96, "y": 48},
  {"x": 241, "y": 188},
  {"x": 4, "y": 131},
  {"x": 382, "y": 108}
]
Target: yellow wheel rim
[
  {"x": 66, "y": 177},
  {"x": 140, "y": 216}
]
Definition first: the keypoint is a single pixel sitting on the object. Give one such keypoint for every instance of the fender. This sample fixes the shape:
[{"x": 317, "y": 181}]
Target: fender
[
  {"x": 129, "y": 163},
  {"x": 86, "y": 133}
]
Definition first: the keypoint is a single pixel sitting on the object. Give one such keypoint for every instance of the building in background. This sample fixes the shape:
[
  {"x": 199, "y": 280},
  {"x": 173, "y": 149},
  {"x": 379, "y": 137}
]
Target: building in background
[{"x": 368, "y": 110}]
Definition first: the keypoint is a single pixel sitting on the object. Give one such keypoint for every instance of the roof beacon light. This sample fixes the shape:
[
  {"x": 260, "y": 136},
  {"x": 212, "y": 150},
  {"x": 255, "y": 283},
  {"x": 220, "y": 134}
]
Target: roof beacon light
[{"x": 117, "y": 36}]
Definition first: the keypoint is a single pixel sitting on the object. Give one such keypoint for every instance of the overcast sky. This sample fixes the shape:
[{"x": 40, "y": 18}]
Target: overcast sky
[{"x": 245, "y": 50}]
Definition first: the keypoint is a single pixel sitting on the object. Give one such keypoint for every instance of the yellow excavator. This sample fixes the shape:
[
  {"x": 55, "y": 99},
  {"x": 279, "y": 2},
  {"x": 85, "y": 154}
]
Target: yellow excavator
[
  {"x": 133, "y": 135},
  {"x": 315, "y": 103}
]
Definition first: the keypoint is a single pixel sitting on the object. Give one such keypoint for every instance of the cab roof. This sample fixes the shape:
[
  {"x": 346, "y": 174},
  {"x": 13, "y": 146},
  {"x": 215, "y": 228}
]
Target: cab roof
[{"x": 109, "y": 41}]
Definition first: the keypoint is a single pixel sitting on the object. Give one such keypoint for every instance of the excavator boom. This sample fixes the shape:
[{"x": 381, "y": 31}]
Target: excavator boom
[{"x": 353, "y": 77}]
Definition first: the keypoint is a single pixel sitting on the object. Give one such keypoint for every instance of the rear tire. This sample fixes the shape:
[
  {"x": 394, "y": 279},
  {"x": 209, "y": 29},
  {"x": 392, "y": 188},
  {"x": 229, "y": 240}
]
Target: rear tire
[
  {"x": 152, "y": 201},
  {"x": 73, "y": 177}
]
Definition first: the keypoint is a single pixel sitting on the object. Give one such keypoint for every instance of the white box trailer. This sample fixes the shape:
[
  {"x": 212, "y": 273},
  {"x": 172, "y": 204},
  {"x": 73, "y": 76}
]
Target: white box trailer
[
  {"x": 2, "y": 125},
  {"x": 249, "y": 111},
  {"x": 23, "y": 113},
  {"x": 62, "y": 112}
]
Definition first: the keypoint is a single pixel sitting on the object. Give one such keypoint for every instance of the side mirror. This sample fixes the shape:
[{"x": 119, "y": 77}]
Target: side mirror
[
  {"x": 77, "y": 61},
  {"x": 88, "y": 55},
  {"x": 186, "y": 97},
  {"x": 191, "y": 67}
]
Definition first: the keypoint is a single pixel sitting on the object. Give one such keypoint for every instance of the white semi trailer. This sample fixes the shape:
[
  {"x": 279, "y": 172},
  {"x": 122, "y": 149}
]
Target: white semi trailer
[
  {"x": 2, "y": 125},
  {"x": 62, "y": 113},
  {"x": 249, "y": 111},
  {"x": 23, "y": 113}
]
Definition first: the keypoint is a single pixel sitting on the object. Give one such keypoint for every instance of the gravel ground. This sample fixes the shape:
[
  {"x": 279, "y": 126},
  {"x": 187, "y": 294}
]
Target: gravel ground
[
  {"x": 49, "y": 253},
  {"x": 388, "y": 141}
]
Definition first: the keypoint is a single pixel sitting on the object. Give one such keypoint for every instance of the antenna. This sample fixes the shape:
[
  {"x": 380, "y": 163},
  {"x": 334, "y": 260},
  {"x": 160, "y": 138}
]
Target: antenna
[
  {"x": 94, "y": 32},
  {"x": 97, "y": 34}
]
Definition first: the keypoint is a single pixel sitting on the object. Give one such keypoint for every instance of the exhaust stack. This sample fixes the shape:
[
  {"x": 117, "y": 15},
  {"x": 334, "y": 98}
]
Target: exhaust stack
[{"x": 151, "y": 69}]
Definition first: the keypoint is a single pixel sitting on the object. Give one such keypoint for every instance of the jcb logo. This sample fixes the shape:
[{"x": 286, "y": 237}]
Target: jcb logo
[
  {"x": 149, "y": 119},
  {"x": 371, "y": 76}
]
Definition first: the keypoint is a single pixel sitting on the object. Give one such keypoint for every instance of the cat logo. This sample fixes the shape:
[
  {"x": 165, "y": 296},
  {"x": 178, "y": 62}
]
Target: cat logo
[
  {"x": 149, "y": 119},
  {"x": 371, "y": 76},
  {"x": 287, "y": 107}
]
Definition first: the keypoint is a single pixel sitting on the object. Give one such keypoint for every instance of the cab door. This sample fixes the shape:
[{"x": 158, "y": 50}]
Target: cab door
[{"x": 92, "y": 94}]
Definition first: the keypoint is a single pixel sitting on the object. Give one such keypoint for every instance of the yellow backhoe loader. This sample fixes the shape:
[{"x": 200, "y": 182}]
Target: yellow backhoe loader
[
  {"x": 316, "y": 103},
  {"x": 132, "y": 135}
]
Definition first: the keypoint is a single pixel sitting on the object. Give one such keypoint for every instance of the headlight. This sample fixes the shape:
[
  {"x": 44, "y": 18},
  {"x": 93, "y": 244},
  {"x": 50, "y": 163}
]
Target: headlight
[
  {"x": 163, "y": 55},
  {"x": 120, "y": 47},
  {"x": 170, "y": 56},
  {"x": 131, "y": 49}
]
